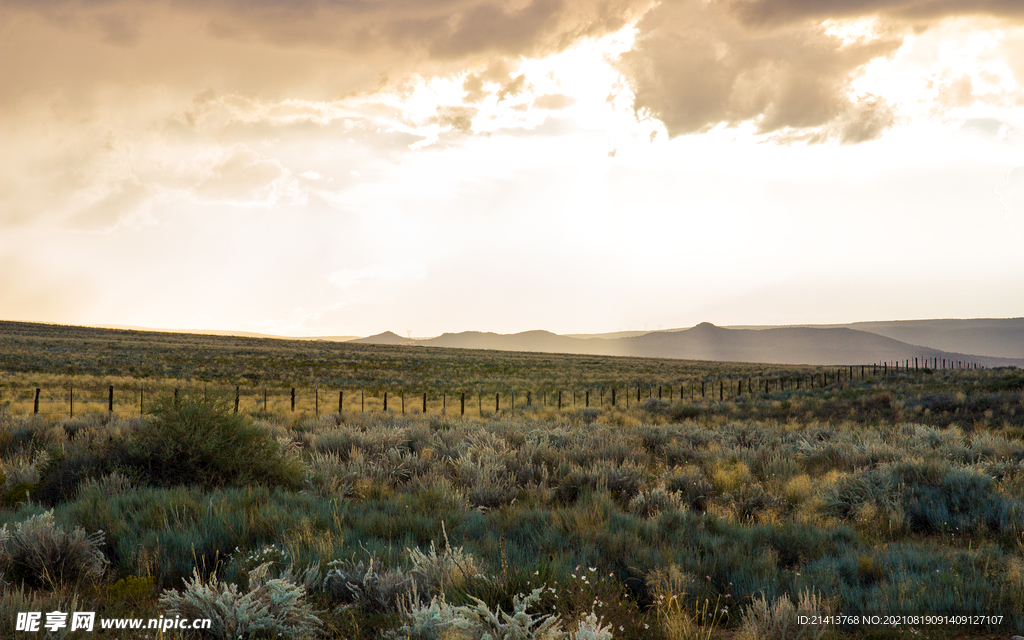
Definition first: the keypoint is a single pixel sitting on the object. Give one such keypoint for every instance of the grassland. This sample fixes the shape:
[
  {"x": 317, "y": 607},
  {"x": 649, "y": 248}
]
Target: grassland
[{"x": 679, "y": 518}]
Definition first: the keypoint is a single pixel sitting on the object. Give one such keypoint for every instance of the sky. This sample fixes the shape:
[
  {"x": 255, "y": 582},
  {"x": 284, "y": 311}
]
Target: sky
[{"x": 346, "y": 167}]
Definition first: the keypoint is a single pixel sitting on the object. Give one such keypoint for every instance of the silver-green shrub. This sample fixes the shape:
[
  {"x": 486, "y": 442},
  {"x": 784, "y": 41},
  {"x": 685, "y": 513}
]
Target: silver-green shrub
[
  {"x": 590, "y": 628},
  {"x": 439, "y": 620},
  {"x": 38, "y": 553},
  {"x": 270, "y": 607}
]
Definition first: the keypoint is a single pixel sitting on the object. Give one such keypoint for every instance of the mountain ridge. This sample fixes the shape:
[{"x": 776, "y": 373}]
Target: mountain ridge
[
  {"x": 985, "y": 341},
  {"x": 705, "y": 341}
]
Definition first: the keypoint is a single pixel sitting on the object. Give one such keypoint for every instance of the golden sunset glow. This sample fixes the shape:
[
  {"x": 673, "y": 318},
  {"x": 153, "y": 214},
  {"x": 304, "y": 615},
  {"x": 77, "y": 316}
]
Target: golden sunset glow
[{"x": 327, "y": 168}]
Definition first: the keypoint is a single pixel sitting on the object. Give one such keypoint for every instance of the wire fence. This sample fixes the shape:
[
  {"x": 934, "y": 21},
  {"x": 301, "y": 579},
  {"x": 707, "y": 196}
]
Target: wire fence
[{"x": 138, "y": 397}]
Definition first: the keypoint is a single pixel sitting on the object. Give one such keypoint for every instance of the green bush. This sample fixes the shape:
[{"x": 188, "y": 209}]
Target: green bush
[
  {"x": 64, "y": 473},
  {"x": 199, "y": 441}
]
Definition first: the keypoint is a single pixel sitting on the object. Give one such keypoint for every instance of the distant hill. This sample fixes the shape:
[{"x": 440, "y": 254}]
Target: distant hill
[
  {"x": 793, "y": 345},
  {"x": 780, "y": 345},
  {"x": 388, "y": 337},
  {"x": 998, "y": 337}
]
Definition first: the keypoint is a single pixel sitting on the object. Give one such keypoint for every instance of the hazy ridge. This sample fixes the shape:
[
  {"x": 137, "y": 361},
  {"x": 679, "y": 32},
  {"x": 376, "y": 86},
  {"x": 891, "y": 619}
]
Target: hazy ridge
[
  {"x": 835, "y": 344},
  {"x": 986, "y": 341}
]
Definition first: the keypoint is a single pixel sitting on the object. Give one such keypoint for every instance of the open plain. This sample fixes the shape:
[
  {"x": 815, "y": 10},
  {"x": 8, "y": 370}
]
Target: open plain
[{"x": 742, "y": 498}]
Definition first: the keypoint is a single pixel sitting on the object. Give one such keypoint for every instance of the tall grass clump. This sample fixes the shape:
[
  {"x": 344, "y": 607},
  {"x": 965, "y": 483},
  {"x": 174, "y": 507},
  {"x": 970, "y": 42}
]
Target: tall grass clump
[
  {"x": 780, "y": 620},
  {"x": 449, "y": 568},
  {"x": 199, "y": 441}
]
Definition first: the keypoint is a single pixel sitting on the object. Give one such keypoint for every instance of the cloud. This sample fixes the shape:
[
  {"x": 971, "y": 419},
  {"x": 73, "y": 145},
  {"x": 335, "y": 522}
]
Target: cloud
[
  {"x": 313, "y": 49},
  {"x": 786, "y": 11},
  {"x": 513, "y": 87},
  {"x": 695, "y": 66},
  {"x": 243, "y": 177},
  {"x": 456, "y": 117},
  {"x": 862, "y": 121},
  {"x": 553, "y": 101}
]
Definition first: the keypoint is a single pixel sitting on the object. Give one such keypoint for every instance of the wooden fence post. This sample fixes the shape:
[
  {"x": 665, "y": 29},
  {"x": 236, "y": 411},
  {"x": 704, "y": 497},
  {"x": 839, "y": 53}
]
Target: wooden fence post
[
  {"x": 293, "y": 398},
  {"x": 316, "y": 403},
  {"x": 142, "y": 393},
  {"x": 341, "y": 401},
  {"x": 462, "y": 407},
  {"x": 529, "y": 399},
  {"x": 385, "y": 402},
  {"x": 110, "y": 400},
  {"x": 721, "y": 390},
  {"x": 497, "y": 401},
  {"x": 265, "y": 398},
  {"x": 35, "y": 406},
  {"x": 401, "y": 394},
  {"x": 424, "y": 402},
  {"x": 559, "y": 399},
  {"x": 613, "y": 396},
  {"x": 587, "y": 399},
  {"x": 237, "y": 393}
]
